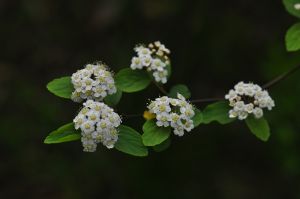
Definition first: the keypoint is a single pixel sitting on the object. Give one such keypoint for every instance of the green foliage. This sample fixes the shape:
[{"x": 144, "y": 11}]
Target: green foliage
[
  {"x": 198, "y": 117},
  {"x": 292, "y": 38},
  {"x": 181, "y": 89},
  {"x": 66, "y": 133},
  {"x": 289, "y": 5},
  {"x": 162, "y": 146},
  {"x": 128, "y": 80},
  {"x": 169, "y": 69},
  {"x": 114, "y": 99},
  {"x": 259, "y": 127},
  {"x": 154, "y": 135},
  {"x": 217, "y": 112},
  {"x": 61, "y": 87},
  {"x": 130, "y": 142}
]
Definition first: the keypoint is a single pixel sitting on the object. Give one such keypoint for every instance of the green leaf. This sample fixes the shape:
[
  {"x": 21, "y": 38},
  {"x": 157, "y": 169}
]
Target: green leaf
[
  {"x": 198, "y": 117},
  {"x": 169, "y": 69},
  {"x": 61, "y": 87},
  {"x": 66, "y": 133},
  {"x": 154, "y": 135},
  {"x": 114, "y": 99},
  {"x": 181, "y": 89},
  {"x": 130, "y": 142},
  {"x": 128, "y": 80},
  {"x": 219, "y": 112},
  {"x": 259, "y": 127},
  {"x": 292, "y": 38},
  {"x": 162, "y": 146},
  {"x": 290, "y": 7}
]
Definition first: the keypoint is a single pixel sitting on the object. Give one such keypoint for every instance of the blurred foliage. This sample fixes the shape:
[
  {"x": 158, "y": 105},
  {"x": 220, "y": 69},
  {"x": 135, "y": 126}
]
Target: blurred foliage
[{"x": 214, "y": 45}]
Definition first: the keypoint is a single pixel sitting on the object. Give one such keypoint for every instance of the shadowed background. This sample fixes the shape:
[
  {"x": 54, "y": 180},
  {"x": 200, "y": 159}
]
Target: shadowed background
[{"x": 214, "y": 45}]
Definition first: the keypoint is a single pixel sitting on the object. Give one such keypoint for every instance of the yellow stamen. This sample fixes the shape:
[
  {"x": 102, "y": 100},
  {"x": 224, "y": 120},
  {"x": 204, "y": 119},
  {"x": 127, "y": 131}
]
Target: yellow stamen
[{"x": 148, "y": 116}]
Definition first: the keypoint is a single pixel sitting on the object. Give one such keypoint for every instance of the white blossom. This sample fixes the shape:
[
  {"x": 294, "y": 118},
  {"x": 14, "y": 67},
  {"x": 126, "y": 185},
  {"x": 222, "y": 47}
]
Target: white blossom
[
  {"x": 297, "y": 6},
  {"x": 93, "y": 82},
  {"x": 160, "y": 76},
  {"x": 153, "y": 58},
  {"x": 248, "y": 98},
  {"x": 174, "y": 112},
  {"x": 158, "y": 65},
  {"x": 98, "y": 123},
  {"x": 143, "y": 51},
  {"x": 146, "y": 60},
  {"x": 136, "y": 63},
  {"x": 258, "y": 112}
]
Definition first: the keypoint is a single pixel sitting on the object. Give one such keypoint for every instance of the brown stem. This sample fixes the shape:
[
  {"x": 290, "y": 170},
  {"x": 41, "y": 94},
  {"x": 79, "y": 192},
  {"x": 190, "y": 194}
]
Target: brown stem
[
  {"x": 281, "y": 77},
  {"x": 207, "y": 100},
  {"x": 132, "y": 115},
  {"x": 160, "y": 88},
  {"x": 267, "y": 85}
]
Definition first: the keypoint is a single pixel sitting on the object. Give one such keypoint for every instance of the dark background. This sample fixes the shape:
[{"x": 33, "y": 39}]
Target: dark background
[{"x": 214, "y": 45}]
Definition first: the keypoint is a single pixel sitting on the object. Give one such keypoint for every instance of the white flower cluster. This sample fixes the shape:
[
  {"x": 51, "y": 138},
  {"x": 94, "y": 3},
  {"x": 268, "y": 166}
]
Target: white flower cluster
[
  {"x": 154, "y": 58},
  {"x": 248, "y": 98},
  {"x": 297, "y": 6},
  {"x": 176, "y": 113},
  {"x": 93, "y": 82},
  {"x": 97, "y": 123}
]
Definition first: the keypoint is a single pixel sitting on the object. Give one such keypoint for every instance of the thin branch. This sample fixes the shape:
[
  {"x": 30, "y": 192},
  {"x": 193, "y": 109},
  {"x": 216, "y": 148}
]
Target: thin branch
[
  {"x": 207, "y": 100},
  {"x": 161, "y": 89},
  {"x": 281, "y": 77},
  {"x": 267, "y": 85},
  {"x": 132, "y": 115}
]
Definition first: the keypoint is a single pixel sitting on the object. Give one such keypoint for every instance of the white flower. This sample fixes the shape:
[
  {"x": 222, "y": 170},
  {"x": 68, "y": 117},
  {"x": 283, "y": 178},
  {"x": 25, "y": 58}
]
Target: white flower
[
  {"x": 249, "y": 108},
  {"x": 136, "y": 63},
  {"x": 163, "y": 119},
  {"x": 143, "y": 51},
  {"x": 164, "y": 49},
  {"x": 179, "y": 131},
  {"x": 89, "y": 144},
  {"x": 174, "y": 118},
  {"x": 88, "y": 127},
  {"x": 270, "y": 104},
  {"x": 79, "y": 120},
  {"x": 249, "y": 91},
  {"x": 297, "y": 6},
  {"x": 157, "y": 64},
  {"x": 240, "y": 88},
  {"x": 248, "y": 98},
  {"x": 239, "y": 106},
  {"x": 258, "y": 112},
  {"x": 231, "y": 95},
  {"x": 154, "y": 59},
  {"x": 174, "y": 112},
  {"x": 161, "y": 47},
  {"x": 110, "y": 138},
  {"x": 242, "y": 115},
  {"x": 161, "y": 76},
  {"x": 97, "y": 123},
  {"x": 189, "y": 125},
  {"x": 233, "y": 114},
  {"x": 93, "y": 82},
  {"x": 146, "y": 60}
]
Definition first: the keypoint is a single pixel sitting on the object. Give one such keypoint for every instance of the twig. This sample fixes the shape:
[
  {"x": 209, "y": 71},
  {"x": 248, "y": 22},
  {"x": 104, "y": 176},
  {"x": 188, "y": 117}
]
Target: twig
[
  {"x": 281, "y": 77},
  {"x": 161, "y": 89},
  {"x": 267, "y": 85},
  {"x": 132, "y": 115},
  {"x": 207, "y": 100}
]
